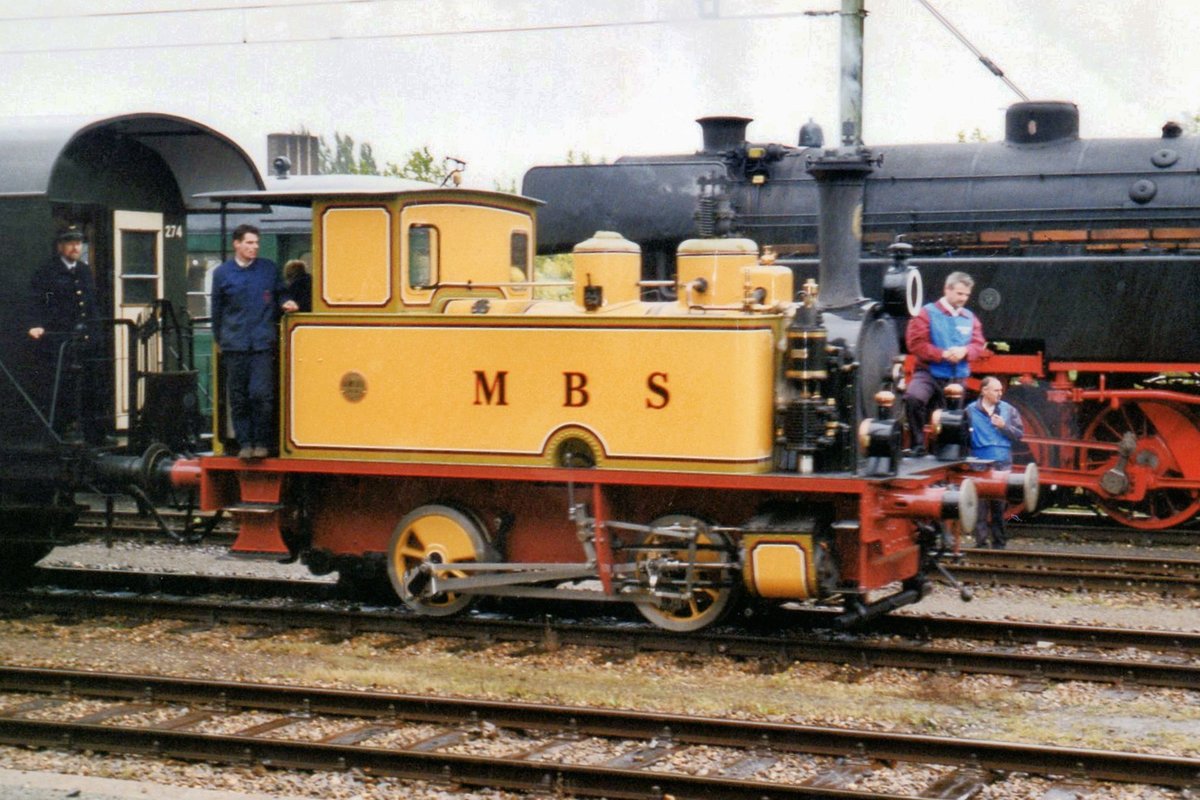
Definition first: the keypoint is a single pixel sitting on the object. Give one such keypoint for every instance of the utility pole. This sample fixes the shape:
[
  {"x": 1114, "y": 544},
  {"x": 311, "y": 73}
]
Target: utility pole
[{"x": 851, "y": 88}]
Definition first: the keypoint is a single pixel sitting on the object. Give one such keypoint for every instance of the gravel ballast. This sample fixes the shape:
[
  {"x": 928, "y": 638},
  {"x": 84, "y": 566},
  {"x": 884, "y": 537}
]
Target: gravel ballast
[{"x": 972, "y": 706}]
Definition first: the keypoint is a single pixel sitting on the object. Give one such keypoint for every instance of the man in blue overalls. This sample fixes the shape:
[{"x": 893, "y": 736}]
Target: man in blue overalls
[
  {"x": 944, "y": 338},
  {"x": 247, "y": 294}
]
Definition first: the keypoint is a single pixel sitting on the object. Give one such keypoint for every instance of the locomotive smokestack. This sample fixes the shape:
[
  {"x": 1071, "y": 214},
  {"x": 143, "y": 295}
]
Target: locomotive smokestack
[
  {"x": 840, "y": 177},
  {"x": 723, "y": 133}
]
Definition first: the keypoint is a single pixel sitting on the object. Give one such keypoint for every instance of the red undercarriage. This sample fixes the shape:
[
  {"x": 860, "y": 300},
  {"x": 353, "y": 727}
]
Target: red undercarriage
[{"x": 355, "y": 506}]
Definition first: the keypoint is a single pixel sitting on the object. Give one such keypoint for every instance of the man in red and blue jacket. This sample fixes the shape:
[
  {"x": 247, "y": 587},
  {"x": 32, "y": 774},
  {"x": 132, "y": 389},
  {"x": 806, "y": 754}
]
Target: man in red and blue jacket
[{"x": 944, "y": 338}]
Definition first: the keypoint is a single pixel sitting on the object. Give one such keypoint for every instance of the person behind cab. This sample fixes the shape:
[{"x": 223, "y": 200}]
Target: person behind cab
[
  {"x": 299, "y": 283},
  {"x": 995, "y": 426},
  {"x": 944, "y": 338}
]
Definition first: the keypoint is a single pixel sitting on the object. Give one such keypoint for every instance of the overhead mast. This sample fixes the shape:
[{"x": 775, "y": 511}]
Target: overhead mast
[{"x": 852, "y": 15}]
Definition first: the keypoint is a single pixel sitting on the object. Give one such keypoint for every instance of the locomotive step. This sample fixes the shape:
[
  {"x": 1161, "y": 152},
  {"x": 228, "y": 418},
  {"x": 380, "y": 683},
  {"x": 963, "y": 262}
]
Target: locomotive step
[{"x": 254, "y": 508}]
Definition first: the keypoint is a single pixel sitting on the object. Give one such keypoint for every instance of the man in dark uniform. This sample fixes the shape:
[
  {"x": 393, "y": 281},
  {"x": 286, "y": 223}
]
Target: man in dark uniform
[
  {"x": 63, "y": 323},
  {"x": 247, "y": 296}
]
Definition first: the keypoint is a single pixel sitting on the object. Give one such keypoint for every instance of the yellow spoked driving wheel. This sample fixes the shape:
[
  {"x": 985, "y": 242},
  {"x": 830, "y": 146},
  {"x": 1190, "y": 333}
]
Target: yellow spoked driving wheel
[
  {"x": 424, "y": 540},
  {"x": 690, "y": 587}
]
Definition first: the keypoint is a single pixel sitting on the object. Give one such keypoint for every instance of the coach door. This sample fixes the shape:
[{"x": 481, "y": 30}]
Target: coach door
[{"x": 137, "y": 283}]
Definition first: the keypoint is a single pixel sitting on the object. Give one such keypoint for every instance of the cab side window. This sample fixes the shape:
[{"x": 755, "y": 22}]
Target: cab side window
[
  {"x": 519, "y": 246},
  {"x": 422, "y": 256}
]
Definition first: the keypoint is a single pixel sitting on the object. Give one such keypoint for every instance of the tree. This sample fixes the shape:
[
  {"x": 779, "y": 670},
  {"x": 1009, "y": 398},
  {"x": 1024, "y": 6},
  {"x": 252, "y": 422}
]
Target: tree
[
  {"x": 583, "y": 157},
  {"x": 420, "y": 166},
  {"x": 343, "y": 159},
  {"x": 559, "y": 267},
  {"x": 1191, "y": 122},
  {"x": 366, "y": 160},
  {"x": 976, "y": 135}
]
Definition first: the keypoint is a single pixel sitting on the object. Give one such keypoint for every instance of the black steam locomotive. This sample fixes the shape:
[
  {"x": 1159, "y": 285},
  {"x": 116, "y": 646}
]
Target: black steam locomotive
[{"x": 1086, "y": 256}]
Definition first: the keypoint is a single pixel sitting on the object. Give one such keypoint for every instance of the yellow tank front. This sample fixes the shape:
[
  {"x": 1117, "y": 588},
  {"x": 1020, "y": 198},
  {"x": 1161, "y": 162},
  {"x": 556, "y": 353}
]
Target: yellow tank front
[
  {"x": 607, "y": 270},
  {"x": 774, "y": 284},
  {"x": 712, "y": 272},
  {"x": 690, "y": 394}
]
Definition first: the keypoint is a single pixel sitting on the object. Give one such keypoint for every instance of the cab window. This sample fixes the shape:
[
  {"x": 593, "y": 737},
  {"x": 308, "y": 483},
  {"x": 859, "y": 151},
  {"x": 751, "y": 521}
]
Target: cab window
[
  {"x": 422, "y": 256},
  {"x": 519, "y": 247},
  {"x": 356, "y": 256}
]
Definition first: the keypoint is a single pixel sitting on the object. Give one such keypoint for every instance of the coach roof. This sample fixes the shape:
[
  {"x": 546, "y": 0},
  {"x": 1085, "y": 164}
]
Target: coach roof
[{"x": 201, "y": 159}]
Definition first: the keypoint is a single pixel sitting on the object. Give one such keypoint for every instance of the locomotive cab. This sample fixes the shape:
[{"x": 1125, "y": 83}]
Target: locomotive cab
[{"x": 384, "y": 254}]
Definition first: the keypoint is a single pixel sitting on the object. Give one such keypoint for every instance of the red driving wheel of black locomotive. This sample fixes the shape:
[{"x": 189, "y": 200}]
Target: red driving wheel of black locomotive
[{"x": 1168, "y": 443}]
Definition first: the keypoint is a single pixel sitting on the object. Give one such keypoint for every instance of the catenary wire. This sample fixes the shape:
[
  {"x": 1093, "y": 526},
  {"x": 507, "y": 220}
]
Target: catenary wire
[{"x": 991, "y": 66}]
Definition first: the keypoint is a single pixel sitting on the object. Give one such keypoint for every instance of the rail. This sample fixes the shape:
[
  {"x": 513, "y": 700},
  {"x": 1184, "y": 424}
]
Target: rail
[
  {"x": 791, "y": 638},
  {"x": 636, "y": 771}
]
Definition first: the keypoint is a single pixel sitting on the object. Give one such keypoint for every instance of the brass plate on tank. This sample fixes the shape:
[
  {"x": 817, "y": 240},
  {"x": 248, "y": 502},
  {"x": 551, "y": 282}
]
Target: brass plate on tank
[{"x": 354, "y": 386}]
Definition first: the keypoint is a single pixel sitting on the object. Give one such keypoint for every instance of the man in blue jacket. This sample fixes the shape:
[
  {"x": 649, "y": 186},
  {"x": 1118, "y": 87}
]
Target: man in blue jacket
[
  {"x": 247, "y": 295},
  {"x": 995, "y": 425}
]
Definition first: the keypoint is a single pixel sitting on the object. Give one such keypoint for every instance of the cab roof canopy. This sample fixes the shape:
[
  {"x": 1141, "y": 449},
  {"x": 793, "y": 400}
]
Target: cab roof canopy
[{"x": 304, "y": 190}]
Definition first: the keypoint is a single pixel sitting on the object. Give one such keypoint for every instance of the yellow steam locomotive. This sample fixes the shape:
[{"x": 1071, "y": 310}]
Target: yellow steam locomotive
[{"x": 444, "y": 426}]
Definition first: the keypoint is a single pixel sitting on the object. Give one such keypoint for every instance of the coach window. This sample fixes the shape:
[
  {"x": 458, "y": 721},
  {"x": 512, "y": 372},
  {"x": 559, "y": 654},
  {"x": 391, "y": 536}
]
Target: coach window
[
  {"x": 139, "y": 278},
  {"x": 199, "y": 281},
  {"x": 422, "y": 256}
]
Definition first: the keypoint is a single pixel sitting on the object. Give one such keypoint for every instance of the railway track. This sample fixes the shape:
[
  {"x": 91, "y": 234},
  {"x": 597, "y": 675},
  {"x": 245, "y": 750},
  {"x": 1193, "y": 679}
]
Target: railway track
[
  {"x": 162, "y": 525},
  {"x": 532, "y": 747},
  {"x": 1123, "y": 565},
  {"x": 1030, "y": 650},
  {"x": 1088, "y": 527},
  {"x": 1178, "y": 577}
]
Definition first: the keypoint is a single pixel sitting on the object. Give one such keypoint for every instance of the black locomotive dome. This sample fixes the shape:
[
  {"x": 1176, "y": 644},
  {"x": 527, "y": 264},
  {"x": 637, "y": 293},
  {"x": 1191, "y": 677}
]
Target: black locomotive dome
[{"x": 1040, "y": 122}]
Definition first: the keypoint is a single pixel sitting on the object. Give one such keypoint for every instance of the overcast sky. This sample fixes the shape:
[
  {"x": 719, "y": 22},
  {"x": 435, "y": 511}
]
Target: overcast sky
[{"x": 506, "y": 84}]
